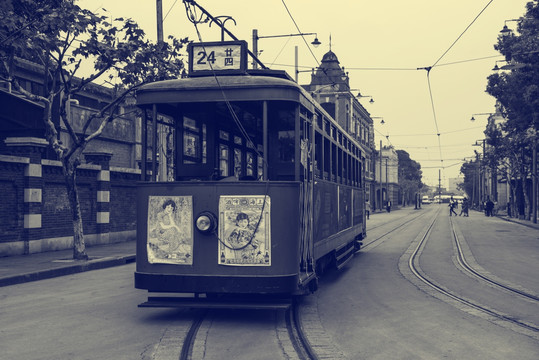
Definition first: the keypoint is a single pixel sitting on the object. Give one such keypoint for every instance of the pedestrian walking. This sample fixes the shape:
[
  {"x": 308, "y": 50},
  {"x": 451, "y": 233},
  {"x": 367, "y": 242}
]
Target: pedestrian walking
[
  {"x": 388, "y": 208},
  {"x": 489, "y": 205},
  {"x": 367, "y": 208},
  {"x": 452, "y": 207},
  {"x": 464, "y": 208}
]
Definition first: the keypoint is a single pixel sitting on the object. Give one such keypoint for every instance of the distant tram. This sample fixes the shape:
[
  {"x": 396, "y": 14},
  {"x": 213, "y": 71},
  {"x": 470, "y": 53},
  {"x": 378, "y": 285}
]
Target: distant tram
[{"x": 264, "y": 189}]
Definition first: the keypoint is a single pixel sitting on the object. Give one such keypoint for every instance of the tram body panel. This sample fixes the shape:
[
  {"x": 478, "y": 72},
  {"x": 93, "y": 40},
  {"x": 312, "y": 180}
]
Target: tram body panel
[
  {"x": 338, "y": 216},
  {"x": 203, "y": 272}
]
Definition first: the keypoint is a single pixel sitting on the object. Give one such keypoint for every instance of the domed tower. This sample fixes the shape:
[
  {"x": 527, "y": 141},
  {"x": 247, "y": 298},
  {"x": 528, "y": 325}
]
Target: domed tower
[
  {"x": 329, "y": 73},
  {"x": 330, "y": 87}
]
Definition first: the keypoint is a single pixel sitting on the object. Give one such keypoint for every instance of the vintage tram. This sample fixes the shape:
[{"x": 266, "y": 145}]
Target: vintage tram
[{"x": 253, "y": 189}]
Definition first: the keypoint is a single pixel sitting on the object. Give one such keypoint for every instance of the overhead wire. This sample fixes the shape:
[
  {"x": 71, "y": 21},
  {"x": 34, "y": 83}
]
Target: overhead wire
[
  {"x": 429, "y": 68},
  {"x": 299, "y": 31}
]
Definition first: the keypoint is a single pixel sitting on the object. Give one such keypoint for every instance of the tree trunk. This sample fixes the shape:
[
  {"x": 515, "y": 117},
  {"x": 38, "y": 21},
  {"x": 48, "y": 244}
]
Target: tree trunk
[{"x": 79, "y": 248}]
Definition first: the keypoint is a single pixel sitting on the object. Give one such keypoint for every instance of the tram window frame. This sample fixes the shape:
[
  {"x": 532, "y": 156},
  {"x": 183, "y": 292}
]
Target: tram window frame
[
  {"x": 327, "y": 158},
  {"x": 306, "y": 135},
  {"x": 319, "y": 120},
  {"x": 237, "y": 144},
  {"x": 282, "y": 120},
  {"x": 221, "y": 131},
  {"x": 188, "y": 167},
  {"x": 353, "y": 167},
  {"x": 333, "y": 162},
  {"x": 318, "y": 154}
]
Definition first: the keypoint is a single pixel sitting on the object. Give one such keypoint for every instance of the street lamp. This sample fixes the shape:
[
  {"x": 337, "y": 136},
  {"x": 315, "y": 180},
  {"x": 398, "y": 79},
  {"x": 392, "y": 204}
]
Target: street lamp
[
  {"x": 506, "y": 30},
  {"x": 510, "y": 65},
  {"x": 473, "y": 118},
  {"x": 382, "y": 122},
  {"x": 362, "y": 96},
  {"x": 314, "y": 43}
]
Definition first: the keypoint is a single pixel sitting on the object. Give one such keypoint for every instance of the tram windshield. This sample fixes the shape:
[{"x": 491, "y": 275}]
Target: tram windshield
[{"x": 225, "y": 141}]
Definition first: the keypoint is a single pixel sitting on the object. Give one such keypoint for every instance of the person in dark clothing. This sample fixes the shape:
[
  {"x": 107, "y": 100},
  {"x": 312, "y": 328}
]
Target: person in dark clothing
[
  {"x": 388, "y": 208},
  {"x": 464, "y": 208},
  {"x": 452, "y": 204},
  {"x": 489, "y": 205}
]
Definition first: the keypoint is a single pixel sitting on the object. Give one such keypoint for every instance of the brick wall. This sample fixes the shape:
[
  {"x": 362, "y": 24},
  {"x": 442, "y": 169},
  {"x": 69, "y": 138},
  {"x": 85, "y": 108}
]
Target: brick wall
[{"x": 56, "y": 230}]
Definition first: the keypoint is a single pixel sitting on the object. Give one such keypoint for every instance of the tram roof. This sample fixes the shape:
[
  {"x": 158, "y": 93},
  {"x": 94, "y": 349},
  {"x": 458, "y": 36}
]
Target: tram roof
[{"x": 234, "y": 87}]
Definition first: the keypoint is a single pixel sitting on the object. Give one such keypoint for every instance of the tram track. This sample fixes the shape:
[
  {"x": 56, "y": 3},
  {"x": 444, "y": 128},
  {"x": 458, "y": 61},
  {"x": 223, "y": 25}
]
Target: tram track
[
  {"x": 460, "y": 242},
  {"x": 406, "y": 222},
  {"x": 295, "y": 344},
  {"x": 410, "y": 268}
]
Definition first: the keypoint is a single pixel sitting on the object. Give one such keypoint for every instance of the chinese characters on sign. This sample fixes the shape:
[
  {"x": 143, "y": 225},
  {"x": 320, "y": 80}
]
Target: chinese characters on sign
[
  {"x": 216, "y": 57},
  {"x": 244, "y": 230},
  {"x": 170, "y": 230}
]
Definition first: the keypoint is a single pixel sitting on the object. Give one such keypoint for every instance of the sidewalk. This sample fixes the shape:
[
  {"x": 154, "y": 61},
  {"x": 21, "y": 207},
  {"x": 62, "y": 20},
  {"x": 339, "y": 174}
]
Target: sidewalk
[
  {"x": 527, "y": 223},
  {"x": 39, "y": 266}
]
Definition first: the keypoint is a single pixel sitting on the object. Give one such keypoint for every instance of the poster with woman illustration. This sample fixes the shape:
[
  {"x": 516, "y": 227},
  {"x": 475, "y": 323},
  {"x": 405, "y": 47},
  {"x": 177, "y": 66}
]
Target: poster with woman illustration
[
  {"x": 170, "y": 230},
  {"x": 244, "y": 230}
]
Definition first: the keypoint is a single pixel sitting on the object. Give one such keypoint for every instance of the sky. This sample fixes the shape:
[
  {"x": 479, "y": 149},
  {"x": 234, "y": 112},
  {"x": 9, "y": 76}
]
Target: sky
[{"x": 381, "y": 44}]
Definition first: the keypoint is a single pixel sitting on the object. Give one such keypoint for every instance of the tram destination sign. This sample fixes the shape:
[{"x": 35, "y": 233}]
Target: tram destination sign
[{"x": 217, "y": 57}]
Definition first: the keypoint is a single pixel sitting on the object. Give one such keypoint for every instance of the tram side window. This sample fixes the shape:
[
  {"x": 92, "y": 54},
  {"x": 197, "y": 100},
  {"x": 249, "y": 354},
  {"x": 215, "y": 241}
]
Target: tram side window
[
  {"x": 318, "y": 155},
  {"x": 327, "y": 159},
  {"x": 340, "y": 167},
  {"x": 282, "y": 142},
  {"x": 223, "y": 159},
  {"x": 334, "y": 162},
  {"x": 194, "y": 142}
]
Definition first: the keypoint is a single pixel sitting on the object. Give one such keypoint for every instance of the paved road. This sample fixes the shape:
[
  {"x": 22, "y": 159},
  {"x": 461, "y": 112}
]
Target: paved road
[
  {"x": 372, "y": 311},
  {"x": 91, "y": 315}
]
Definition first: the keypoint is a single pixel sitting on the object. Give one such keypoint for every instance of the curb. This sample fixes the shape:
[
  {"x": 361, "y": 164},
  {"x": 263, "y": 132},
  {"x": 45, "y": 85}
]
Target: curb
[
  {"x": 515, "y": 221},
  {"x": 67, "y": 270}
]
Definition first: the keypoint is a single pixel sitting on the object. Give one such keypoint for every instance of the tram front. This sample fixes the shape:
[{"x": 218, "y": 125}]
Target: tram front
[{"x": 222, "y": 207}]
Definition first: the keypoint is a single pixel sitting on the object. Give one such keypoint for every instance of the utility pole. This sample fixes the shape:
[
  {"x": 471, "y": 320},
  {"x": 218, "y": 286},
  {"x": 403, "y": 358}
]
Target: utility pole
[
  {"x": 255, "y": 47},
  {"x": 159, "y": 11},
  {"x": 534, "y": 179},
  {"x": 440, "y": 185},
  {"x": 387, "y": 183},
  {"x": 381, "y": 189}
]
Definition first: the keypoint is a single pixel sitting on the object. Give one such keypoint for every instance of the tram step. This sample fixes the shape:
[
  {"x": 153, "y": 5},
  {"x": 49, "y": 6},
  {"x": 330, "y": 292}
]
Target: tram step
[
  {"x": 343, "y": 258},
  {"x": 207, "y": 303}
]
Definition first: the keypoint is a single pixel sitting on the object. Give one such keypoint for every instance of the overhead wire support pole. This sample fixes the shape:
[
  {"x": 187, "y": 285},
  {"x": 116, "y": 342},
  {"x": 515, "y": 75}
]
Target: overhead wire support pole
[{"x": 223, "y": 28}]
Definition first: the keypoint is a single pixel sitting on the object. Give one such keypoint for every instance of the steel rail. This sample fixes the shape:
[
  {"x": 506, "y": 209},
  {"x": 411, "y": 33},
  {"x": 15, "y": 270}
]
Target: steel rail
[
  {"x": 297, "y": 336},
  {"x": 189, "y": 341},
  {"x": 406, "y": 222},
  {"x": 412, "y": 264},
  {"x": 466, "y": 266}
]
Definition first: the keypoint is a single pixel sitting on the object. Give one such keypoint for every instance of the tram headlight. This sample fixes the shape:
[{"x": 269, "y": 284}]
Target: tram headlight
[{"x": 206, "y": 222}]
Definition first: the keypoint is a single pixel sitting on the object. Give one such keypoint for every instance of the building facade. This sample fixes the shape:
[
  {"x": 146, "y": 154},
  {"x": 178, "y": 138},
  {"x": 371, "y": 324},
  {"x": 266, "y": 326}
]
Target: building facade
[
  {"x": 331, "y": 88},
  {"x": 387, "y": 178}
]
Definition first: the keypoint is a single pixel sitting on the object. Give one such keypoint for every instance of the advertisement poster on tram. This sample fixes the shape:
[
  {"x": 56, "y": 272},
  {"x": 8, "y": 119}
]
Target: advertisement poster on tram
[
  {"x": 244, "y": 230},
  {"x": 170, "y": 230}
]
